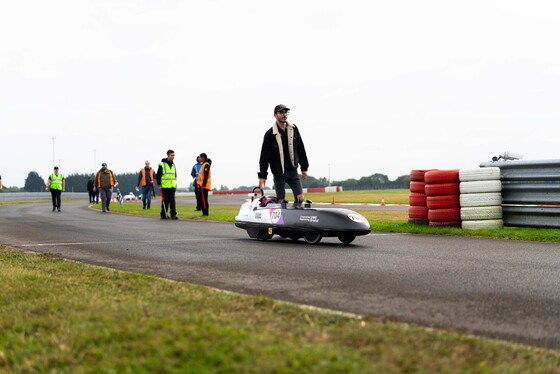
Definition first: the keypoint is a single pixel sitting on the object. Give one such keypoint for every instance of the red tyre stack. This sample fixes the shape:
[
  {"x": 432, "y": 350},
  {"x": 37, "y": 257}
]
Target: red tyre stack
[
  {"x": 442, "y": 198},
  {"x": 418, "y": 211}
]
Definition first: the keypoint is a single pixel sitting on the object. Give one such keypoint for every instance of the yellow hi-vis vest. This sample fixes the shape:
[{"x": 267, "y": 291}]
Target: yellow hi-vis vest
[
  {"x": 56, "y": 181},
  {"x": 168, "y": 175},
  {"x": 200, "y": 182}
]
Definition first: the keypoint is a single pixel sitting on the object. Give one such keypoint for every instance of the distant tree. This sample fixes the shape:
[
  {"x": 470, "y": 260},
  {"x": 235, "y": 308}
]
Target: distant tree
[
  {"x": 224, "y": 188},
  {"x": 312, "y": 182},
  {"x": 402, "y": 182},
  {"x": 77, "y": 182},
  {"x": 34, "y": 182}
]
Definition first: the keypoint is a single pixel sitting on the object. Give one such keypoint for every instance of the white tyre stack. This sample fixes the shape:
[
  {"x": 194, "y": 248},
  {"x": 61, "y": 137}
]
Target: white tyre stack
[{"x": 481, "y": 198}]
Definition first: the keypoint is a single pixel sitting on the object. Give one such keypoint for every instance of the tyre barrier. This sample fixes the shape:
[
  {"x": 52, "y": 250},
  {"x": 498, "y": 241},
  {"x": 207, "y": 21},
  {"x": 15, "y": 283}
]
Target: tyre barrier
[
  {"x": 442, "y": 191},
  {"x": 483, "y": 225},
  {"x": 481, "y": 198},
  {"x": 441, "y": 176},
  {"x": 418, "y": 175},
  {"x": 438, "y": 189},
  {"x": 480, "y": 186},
  {"x": 480, "y": 174},
  {"x": 442, "y": 201},
  {"x": 444, "y": 215},
  {"x": 416, "y": 198},
  {"x": 417, "y": 212},
  {"x": 477, "y": 213},
  {"x": 418, "y": 187}
]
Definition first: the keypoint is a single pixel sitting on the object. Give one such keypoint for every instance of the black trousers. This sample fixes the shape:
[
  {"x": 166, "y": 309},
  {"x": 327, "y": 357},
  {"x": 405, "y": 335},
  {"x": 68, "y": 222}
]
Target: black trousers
[
  {"x": 198, "y": 196},
  {"x": 204, "y": 201},
  {"x": 168, "y": 202},
  {"x": 56, "y": 194},
  {"x": 91, "y": 197}
]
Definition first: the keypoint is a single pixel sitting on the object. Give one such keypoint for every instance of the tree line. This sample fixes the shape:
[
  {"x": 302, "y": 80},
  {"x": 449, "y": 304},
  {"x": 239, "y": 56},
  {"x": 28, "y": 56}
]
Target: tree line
[
  {"x": 127, "y": 182},
  {"x": 373, "y": 182},
  {"x": 77, "y": 182}
]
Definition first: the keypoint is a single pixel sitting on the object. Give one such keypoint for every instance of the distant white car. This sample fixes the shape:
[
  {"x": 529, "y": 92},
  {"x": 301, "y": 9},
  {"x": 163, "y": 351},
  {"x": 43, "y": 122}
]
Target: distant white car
[{"x": 130, "y": 196}]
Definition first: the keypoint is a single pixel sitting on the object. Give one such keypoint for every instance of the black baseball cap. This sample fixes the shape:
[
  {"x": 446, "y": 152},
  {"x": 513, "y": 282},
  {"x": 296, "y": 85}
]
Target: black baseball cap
[{"x": 280, "y": 107}]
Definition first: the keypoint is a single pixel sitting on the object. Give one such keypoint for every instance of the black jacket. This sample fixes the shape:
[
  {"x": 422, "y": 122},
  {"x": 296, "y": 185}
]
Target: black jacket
[{"x": 270, "y": 154}]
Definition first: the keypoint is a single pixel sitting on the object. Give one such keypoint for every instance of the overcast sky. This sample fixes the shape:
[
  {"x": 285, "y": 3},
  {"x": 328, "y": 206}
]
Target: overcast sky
[{"x": 374, "y": 86}]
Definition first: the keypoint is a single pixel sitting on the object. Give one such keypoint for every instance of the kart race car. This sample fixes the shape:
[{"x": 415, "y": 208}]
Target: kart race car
[{"x": 265, "y": 217}]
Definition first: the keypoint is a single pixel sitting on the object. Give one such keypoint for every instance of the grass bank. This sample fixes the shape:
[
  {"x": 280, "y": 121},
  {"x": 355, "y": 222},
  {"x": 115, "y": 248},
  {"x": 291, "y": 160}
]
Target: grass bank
[{"x": 62, "y": 316}]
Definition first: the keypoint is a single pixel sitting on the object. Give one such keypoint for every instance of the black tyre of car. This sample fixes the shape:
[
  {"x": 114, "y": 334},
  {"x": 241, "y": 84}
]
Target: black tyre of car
[
  {"x": 347, "y": 238},
  {"x": 252, "y": 232},
  {"x": 312, "y": 239},
  {"x": 264, "y": 236}
]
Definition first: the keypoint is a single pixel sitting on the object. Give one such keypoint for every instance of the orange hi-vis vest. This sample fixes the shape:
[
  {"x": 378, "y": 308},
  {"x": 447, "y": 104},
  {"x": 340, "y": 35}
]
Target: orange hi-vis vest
[
  {"x": 112, "y": 180},
  {"x": 143, "y": 172},
  {"x": 208, "y": 185}
]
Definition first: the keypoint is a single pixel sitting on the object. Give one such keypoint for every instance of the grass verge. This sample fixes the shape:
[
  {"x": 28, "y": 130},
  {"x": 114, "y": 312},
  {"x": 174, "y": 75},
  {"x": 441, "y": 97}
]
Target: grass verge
[{"x": 62, "y": 316}]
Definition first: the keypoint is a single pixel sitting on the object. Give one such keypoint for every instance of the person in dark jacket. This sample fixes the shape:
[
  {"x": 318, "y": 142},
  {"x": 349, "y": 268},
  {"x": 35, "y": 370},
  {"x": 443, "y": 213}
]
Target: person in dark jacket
[
  {"x": 146, "y": 181},
  {"x": 104, "y": 182},
  {"x": 90, "y": 190},
  {"x": 204, "y": 182},
  {"x": 166, "y": 177},
  {"x": 194, "y": 174},
  {"x": 283, "y": 150}
]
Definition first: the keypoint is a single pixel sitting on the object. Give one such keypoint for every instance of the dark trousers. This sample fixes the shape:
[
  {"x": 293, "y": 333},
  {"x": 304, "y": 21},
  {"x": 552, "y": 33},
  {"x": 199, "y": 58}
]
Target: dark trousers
[
  {"x": 204, "y": 201},
  {"x": 168, "y": 202},
  {"x": 291, "y": 178},
  {"x": 91, "y": 197},
  {"x": 56, "y": 194},
  {"x": 198, "y": 196}
]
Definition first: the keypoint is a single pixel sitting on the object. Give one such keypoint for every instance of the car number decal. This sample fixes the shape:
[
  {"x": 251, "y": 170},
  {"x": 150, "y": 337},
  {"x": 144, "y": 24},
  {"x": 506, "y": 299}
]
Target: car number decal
[{"x": 276, "y": 216}]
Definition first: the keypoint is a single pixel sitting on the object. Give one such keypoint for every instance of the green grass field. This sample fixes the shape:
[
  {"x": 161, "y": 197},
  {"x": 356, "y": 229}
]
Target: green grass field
[{"x": 60, "y": 316}]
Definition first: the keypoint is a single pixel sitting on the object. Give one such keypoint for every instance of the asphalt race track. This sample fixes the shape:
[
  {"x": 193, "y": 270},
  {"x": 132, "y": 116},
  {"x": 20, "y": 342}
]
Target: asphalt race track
[{"x": 504, "y": 289}]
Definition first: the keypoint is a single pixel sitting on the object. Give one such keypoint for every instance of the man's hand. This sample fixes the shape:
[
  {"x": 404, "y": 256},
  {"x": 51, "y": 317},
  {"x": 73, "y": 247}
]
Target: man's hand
[
  {"x": 304, "y": 175},
  {"x": 262, "y": 183}
]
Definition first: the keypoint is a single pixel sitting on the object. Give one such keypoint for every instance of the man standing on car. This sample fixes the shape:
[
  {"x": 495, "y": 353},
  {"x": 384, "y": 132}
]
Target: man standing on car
[
  {"x": 104, "y": 183},
  {"x": 167, "y": 180},
  {"x": 283, "y": 150},
  {"x": 56, "y": 185},
  {"x": 146, "y": 179}
]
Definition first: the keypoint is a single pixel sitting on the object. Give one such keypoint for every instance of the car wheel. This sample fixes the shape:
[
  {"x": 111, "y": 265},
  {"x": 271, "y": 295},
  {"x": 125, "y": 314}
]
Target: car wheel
[
  {"x": 347, "y": 239},
  {"x": 264, "y": 236},
  {"x": 312, "y": 239}
]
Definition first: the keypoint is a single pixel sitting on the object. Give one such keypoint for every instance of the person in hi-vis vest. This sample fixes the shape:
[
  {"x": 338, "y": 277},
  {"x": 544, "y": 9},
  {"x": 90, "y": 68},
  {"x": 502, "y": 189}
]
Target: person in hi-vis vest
[
  {"x": 166, "y": 177},
  {"x": 204, "y": 182},
  {"x": 56, "y": 184},
  {"x": 146, "y": 180}
]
